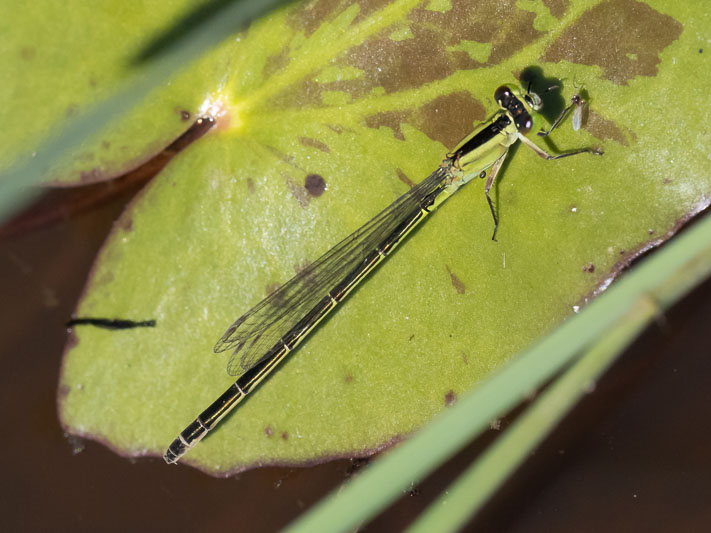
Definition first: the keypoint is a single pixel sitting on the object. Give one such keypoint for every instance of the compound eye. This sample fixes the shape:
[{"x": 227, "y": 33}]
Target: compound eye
[
  {"x": 525, "y": 123},
  {"x": 502, "y": 94}
]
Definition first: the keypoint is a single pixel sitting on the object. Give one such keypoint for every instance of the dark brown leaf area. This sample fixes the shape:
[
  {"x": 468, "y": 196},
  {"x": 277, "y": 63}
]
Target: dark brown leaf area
[
  {"x": 397, "y": 65},
  {"x": 427, "y": 54},
  {"x": 624, "y": 37},
  {"x": 557, "y": 7},
  {"x": 446, "y": 119}
]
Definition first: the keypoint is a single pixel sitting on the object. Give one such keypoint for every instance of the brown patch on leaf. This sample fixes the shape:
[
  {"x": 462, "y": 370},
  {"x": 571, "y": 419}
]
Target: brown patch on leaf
[
  {"x": 314, "y": 143},
  {"x": 276, "y": 62},
  {"x": 448, "y": 118},
  {"x": 430, "y": 54},
  {"x": 306, "y": 93},
  {"x": 389, "y": 119},
  {"x": 286, "y": 158},
  {"x": 335, "y": 127},
  {"x": 285, "y": 435},
  {"x": 403, "y": 178},
  {"x": 457, "y": 283},
  {"x": 315, "y": 185},
  {"x": 589, "y": 268},
  {"x": 605, "y": 129},
  {"x": 450, "y": 398},
  {"x": 309, "y": 16},
  {"x": 624, "y": 38},
  {"x": 557, "y": 7}
]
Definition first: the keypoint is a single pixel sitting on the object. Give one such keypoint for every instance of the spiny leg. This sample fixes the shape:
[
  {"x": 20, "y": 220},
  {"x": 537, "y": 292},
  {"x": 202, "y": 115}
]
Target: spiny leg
[
  {"x": 548, "y": 157},
  {"x": 489, "y": 183}
]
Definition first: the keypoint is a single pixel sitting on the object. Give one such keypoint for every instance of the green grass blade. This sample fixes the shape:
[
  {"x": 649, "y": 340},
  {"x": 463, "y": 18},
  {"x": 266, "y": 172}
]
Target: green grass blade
[
  {"x": 665, "y": 277},
  {"x": 468, "y": 494}
]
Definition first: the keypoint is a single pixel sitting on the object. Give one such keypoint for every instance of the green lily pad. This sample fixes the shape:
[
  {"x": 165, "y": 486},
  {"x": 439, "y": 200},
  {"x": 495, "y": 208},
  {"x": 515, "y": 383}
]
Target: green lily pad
[
  {"x": 369, "y": 97},
  {"x": 64, "y": 57}
]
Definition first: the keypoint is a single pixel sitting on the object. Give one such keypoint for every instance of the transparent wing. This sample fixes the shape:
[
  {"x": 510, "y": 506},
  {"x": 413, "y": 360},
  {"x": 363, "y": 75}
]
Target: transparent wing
[{"x": 262, "y": 327}]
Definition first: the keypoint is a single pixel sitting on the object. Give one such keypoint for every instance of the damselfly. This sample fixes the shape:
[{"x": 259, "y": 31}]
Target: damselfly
[{"x": 266, "y": 334}]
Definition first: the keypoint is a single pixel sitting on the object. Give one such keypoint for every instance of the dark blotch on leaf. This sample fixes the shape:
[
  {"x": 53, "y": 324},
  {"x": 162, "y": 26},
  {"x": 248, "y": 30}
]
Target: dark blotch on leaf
[
  {"x": 315, "y": 185},
  {"x": 457, "y": 283},
  {"x": 624, "y": 37},
  {"x": 285, "y": 436},
  {"x": 185, "y": 115},
  {"x": 449, "y": 118},
  {"x": 389, "y": 119},
  {"x": 403, "y": 178},
  {"x": 590, "y": 268},
  {"x": 450, "y": 398},
  {"x": 314, "y": 143}
]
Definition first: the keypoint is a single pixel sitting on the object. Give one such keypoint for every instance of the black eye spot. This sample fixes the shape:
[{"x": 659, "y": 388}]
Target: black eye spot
[
  {"x": 502, "y": 94},
  {"x": 525, "y": 124}
]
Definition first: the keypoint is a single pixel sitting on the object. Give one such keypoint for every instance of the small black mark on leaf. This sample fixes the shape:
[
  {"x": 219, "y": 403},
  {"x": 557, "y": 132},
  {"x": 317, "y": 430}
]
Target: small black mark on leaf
[
  {"x": 315, "y": 185},
  {"x": 184, "y": 115},
  {"x": 450, "y": 398},
  {"x": 589, "y": 268}
]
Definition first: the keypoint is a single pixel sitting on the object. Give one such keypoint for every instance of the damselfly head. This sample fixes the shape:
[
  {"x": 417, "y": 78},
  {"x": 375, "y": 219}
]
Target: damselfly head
[{"x": 517, "y": 106}]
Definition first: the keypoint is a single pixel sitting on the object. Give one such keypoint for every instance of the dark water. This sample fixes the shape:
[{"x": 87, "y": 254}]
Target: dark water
[{"x": 634, "y": 456}]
